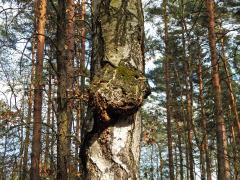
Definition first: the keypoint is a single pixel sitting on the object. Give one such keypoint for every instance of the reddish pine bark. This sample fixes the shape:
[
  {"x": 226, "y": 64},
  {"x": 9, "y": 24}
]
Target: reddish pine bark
[
  {"x": 37, "y": 113},
  {"x": 222, "y": 157}
]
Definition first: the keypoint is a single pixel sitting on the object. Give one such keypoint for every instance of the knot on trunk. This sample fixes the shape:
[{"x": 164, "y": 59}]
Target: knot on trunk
[{"x": 117, "y": 91}]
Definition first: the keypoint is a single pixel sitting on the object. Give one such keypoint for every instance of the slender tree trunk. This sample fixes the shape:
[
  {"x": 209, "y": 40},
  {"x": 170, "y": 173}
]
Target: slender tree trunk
[
  {"x": 69, "y": 61},
  {"x": 189, "y": 101},
  {"x": 21, "y": 139},
  {"x": 187, "y": 68},
  {"x": 176, "y": 163},
  {"x": 168, "y": 98},
  {"x": 52, "y": 147},
  {"x": 189, "y": 122},
  {"x": 180, "y": 155},
  {"x": 37, "y": 114},
  {"x": 161, "y": 161},
  {"x": 222, "y": 157},
  {"x": 62, "y": 119},
  {"x": 151, "y": 164},
  {"x": 47, "y": 140},
  {"x": 190, "y": 133},
  {"x": 70, "y": 73},
  {"x": 83, "y": 41},
  {"x": 29, "y": 116},
  {"x": 65, "y": 54},
  {"x": 2, "y": 170},
  {"x": 235, "y": 159},
  {"x": 182, "y": 122},
  {"x": 205, "y": 160},
  {"x": 233, "y": 105},
  {"x": 204, "y": 144},
  {"x": 231, "y": 92},
  {"x": 81, "y": 107},
  {"x": 83, "y": 61},
  {"x": 111, "y": 150}
]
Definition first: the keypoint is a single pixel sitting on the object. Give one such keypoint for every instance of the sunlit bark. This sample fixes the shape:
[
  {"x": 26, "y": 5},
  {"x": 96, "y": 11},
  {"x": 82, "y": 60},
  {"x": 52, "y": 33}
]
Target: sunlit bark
[
  {"x": 111, "y": 150},
  {"x": 222, "y": 155},
  {"x": 41, "y": 6}
]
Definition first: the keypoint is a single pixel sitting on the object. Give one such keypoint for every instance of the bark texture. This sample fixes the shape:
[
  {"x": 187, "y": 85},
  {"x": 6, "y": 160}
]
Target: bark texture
[
  {"x": 29, "y": 117},
  {"x": 117, "y": 89},
  {"x": 168, "y": 94},
  {"x": 234, "y": 109},
  {"x": 37, "y": 114},
  {"x": 222, "y": 157},
  {"x": 65, "y": 54},
  {"x": 205, "y": 159}
]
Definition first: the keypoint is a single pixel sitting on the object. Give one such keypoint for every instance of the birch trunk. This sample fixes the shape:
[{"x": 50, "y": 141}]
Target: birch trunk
[{"x": 111, "y": 150}]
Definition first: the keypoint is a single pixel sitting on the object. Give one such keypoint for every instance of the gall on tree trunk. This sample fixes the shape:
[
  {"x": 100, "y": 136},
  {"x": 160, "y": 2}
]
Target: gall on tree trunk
[{"x": 111, "y": 148}]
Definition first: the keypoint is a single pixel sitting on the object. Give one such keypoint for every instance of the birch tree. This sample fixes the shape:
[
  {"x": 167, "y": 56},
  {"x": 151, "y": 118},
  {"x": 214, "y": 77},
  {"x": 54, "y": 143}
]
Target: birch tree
[{"x": 118, "y": 87}]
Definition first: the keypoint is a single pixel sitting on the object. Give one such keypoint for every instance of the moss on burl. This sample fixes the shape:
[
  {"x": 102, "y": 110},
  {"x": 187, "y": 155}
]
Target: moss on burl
[{"x": 117, "y": 91}]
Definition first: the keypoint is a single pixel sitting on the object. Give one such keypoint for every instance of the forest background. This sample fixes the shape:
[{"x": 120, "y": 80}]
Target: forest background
[{"x": 190, "y": 122}]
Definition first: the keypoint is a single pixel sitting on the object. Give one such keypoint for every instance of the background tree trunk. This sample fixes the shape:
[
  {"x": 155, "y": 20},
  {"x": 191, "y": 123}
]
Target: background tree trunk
[
  {"x": 29, "y": 115},
  {"x": 222, "y": 157},
  {"x": 37, "y": 114},
  {"x": 47, "y": 139},
  {"x": 65, "y": 54},
  {"x": 168, "y": 95},
  {"x": 205, "y": 159}
]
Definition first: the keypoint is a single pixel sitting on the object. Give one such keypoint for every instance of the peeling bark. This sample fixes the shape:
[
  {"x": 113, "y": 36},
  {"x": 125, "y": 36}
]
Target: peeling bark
[{"x": 111, "y": 149}]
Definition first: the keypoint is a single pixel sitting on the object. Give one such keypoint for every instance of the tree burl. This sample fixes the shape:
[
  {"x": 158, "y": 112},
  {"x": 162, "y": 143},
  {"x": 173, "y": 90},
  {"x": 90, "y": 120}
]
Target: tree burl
[{"x": 118, "y": 91}]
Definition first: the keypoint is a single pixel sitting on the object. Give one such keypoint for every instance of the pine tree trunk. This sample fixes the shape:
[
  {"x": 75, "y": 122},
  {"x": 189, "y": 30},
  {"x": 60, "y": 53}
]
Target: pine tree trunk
[
  {"x": 180, "y": 155},
  {"x": 83, "y": 48},
  {"x": 65, "y": 54},
  {"x": 189, "y": 118},
  {"x": 47, "y": 140},
  {"x": 187, "y": 68},
  {"x": 29, "y": 116},
  {"x": 37, "y": 114},
  {"x": 111, "y": 150},
  {"x": 234, "y": 152},
  {"x": 161, "y": 161},
  {"x": 231, "y": 92},
  {"x": 222, "y": 157},
  {"x": 234, "y": 109},
  {"x": 168, "y": 98},
  {"x": 205, "y": 160},
  {"x": 81, "y": 65},
  {"x": 52, "y": 147},
  {"x": 181, "y": 122}
]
